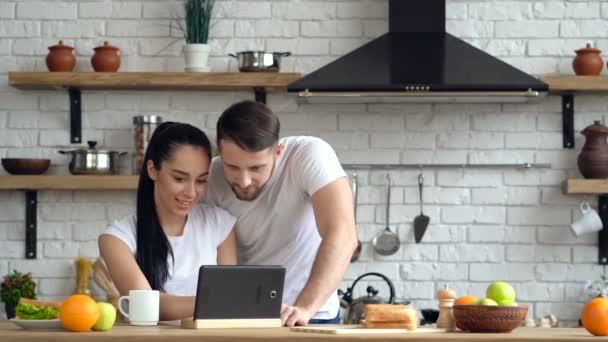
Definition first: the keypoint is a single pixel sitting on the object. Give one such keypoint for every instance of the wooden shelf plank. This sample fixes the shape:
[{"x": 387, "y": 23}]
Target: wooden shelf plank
[
  {"x": 15, "y": 182},
  {"x": 563, "y": 83},
  {"x": 586, "y": 186},
  {"x": 152, "y": 80}
]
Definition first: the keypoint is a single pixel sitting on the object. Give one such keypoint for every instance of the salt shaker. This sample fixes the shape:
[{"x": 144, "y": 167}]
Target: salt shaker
[
  {"x": 446, "y": 298},
  {"x": 144, "y": 126}
]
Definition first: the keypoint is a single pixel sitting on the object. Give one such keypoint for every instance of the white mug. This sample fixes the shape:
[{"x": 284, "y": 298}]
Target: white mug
[
  {"x": 589, "y": 221},
  {"x": 143, "y": 307}
]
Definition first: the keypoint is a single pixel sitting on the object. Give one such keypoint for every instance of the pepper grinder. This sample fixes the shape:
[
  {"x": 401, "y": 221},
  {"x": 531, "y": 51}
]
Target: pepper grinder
[{"x": 446, "y": 298}]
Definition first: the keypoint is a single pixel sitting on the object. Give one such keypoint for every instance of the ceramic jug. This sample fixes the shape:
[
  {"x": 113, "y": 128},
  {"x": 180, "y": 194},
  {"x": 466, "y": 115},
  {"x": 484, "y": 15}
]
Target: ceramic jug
[
  {"x": 106, "y": 58},
  {"x": 588, "y": 61},
  {"x": 593, "y": 159},
  {"x": 60, "y": 58}
]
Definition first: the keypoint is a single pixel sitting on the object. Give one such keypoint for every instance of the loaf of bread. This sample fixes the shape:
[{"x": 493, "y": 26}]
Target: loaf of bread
[
  {"x": 390, "y": 316},
  {"x": 391, "y": 325}
]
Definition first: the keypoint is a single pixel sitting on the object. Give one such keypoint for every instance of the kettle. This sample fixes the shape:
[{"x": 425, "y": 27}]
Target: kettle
[{"x": 354, "y": 307}]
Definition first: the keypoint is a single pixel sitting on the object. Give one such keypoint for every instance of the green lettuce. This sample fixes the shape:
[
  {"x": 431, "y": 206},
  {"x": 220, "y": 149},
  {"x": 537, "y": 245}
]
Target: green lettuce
[{"x": 29, "y": 311}]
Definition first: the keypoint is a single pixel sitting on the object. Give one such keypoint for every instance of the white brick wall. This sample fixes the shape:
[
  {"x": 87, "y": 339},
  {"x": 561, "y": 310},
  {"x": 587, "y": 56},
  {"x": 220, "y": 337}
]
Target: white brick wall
[{"x": 486, "y": 225}]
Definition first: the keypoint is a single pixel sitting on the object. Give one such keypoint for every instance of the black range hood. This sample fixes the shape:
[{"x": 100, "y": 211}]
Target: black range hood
[{"x": 418, "y": 59}]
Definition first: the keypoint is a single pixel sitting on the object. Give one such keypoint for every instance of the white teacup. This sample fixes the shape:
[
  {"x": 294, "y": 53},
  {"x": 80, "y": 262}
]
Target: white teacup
[
  {"x": 143, "y": 308},
  {"x": 589, "y": 221}
]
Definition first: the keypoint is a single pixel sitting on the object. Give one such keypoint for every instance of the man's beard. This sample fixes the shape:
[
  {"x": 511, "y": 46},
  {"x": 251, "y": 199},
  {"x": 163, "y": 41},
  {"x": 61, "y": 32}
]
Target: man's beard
[
  {"x": 248, "y": 197},
  {"x": 252, "y": 196}
]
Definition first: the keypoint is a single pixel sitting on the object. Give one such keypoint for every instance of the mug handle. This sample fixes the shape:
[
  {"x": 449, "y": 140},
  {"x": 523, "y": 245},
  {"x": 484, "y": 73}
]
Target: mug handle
[
  {"x": 120, "y": 305},
  {"x": 585, "y": 207}
]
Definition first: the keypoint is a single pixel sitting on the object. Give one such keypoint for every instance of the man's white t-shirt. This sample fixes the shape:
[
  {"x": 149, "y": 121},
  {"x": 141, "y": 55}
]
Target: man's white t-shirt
[
  {"x": 278, "y": 227},
  {"x": 206, "y": 228}
]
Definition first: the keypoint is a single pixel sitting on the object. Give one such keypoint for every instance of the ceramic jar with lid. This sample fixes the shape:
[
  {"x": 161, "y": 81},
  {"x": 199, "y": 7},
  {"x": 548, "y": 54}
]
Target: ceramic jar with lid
[
  {"x": 106, "y": 58},
  {"x": 588, "y": 61},
  {"x": 593, "y": 159},
  {"x": 61, "y": 58}
]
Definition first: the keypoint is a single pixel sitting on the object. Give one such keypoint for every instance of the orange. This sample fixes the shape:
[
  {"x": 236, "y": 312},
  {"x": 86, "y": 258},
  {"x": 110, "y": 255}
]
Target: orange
[
  {"x": 465, "y": 300},
  {"x": 78, "y": 313},
  {"x": 595, "y": 316}
]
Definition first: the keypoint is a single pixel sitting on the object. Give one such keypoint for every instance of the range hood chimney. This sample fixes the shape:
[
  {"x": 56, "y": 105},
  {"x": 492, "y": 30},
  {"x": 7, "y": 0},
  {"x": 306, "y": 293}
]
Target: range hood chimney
[{"x": 418, "y": 61}]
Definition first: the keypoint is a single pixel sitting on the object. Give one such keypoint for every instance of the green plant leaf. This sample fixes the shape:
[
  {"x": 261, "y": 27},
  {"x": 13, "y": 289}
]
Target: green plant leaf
[{"x": 198, "y": 19}]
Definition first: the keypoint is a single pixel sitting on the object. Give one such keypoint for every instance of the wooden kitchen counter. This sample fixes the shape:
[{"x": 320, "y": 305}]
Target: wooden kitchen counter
[{"x": 166, "y": 333}]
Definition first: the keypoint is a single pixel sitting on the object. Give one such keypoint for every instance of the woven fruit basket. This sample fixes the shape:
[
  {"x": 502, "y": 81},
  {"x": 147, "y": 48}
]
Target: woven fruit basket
[{"x": 489, "y": 318}]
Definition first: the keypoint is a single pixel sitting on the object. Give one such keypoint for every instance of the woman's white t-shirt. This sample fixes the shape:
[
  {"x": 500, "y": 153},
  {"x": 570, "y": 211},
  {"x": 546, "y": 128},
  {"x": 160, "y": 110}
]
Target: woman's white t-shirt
[{"x": 206, "y": 228}]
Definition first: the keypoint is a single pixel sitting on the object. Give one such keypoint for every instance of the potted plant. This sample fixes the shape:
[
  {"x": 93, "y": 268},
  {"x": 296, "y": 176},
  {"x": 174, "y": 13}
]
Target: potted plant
[
  {"x": 15, "y": 286},
  {"x": 196, "y": 34}
]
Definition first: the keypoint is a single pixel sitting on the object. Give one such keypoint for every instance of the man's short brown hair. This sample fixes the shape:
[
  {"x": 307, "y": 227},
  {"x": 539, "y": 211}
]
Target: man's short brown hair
[{"x": 249, "y": 124}]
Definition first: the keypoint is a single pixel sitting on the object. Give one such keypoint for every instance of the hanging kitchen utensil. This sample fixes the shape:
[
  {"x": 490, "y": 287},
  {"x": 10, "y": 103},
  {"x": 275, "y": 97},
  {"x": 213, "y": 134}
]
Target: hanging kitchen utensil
[
  {"x": 387, "y": 242},
  {"x": 355, "y": 186},
  {"x": 421, "y": 222}
]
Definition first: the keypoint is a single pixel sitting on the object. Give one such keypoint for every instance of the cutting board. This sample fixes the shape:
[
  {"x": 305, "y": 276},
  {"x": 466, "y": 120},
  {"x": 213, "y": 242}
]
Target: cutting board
[{"x": 359, "y": 330}]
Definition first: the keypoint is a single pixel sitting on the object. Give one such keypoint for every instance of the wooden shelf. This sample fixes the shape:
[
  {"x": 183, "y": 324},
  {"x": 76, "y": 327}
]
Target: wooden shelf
[
  {"x": 15, "y": 182},
  {"x": 152, "y": 80},
  {"x": 569, "y": 83},
  {"x": 586, "y": 186}
]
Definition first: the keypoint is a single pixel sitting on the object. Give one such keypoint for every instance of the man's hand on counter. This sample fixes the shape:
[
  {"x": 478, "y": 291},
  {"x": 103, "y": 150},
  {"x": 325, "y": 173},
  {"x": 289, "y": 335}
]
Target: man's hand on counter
[{"x": 294, "y": 315}]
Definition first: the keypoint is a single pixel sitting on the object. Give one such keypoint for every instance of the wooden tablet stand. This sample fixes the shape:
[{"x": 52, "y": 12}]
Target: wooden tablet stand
[{"x": 190, "y": 323}]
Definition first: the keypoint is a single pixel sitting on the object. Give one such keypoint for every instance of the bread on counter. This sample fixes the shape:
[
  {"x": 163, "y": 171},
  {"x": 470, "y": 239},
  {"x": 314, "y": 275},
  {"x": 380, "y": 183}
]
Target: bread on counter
[{"x": 390, "y": 316}]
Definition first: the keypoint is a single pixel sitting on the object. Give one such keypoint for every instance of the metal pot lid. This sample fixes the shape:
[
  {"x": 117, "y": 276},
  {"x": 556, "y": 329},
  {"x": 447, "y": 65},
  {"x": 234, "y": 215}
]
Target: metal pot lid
[
  {"x": 264, "y": 52},
  {"x": 250, "y": 51},
  {"x": 92, "y": 149},
  {"x": 147, "y": 119}
]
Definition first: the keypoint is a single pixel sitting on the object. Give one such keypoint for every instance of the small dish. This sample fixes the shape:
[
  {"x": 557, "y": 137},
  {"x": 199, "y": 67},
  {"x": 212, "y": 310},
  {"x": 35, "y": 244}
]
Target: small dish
[
  {"x": 38, "y": 324},
  {"x": 25, "y": 166}
]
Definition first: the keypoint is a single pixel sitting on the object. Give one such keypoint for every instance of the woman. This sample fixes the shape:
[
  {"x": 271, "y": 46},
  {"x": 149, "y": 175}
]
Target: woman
[{"x": 163, "y": 246}]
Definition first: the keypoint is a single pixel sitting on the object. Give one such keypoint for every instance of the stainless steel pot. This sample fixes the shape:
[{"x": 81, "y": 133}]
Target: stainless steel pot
[
  {"x": 252, "y": 61},
  {"x": 92, "y": 161}
]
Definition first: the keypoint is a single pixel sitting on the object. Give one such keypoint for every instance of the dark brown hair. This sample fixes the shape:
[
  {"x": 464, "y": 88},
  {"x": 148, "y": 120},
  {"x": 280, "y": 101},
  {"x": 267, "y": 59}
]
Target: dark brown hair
[
  {"x": 249, "y": 124},
  {"x": 153, "y": 247}
]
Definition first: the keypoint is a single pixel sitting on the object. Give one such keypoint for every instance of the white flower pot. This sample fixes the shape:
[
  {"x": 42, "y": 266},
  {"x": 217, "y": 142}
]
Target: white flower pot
[{"x": 197, "y": 57}]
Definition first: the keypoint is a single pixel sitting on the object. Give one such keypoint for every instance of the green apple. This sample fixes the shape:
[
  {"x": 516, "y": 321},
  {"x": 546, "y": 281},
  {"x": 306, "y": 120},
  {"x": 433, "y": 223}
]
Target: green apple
[
  {"x": 107, "y": 317},
  {"x": 486, "y": 301},
  {"x": 499, "y": 291},
  {"x": 507, "y": 302}
]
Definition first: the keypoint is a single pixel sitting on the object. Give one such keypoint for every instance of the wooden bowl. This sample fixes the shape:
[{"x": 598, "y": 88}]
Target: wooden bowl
[
  {"x": 25, "y": 166},
  {"x": 489, "y": 318}
]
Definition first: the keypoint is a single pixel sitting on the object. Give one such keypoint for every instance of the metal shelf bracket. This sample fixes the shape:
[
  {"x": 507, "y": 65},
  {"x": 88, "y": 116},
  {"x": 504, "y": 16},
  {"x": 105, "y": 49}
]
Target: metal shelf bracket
[
  {"x": 31, "y": 208},
  {"x": 260, "y": 94},
  {"x": 75, "y": 116},
  {"x": 568, "y": 119}
]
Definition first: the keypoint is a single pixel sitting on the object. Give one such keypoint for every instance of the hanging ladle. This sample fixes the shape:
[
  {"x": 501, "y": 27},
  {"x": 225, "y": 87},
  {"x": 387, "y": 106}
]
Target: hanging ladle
[
  {"x": 355, "y": 185},
  {"x": 387, "y": 242}
]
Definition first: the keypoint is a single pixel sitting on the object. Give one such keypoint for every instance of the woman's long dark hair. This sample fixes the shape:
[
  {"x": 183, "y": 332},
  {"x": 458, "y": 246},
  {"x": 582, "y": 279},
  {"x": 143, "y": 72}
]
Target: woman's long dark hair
[{"x": 153, "y": 246}]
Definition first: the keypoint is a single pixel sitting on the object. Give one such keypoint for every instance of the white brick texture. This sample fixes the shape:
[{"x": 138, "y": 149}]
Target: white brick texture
[{"x": 486, "y": 224}]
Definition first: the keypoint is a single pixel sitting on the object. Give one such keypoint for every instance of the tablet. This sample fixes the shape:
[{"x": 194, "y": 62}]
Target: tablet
[{"x": 239, "y": 292}]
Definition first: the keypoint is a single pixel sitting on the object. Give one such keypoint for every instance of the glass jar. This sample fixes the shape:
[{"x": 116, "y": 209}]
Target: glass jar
[{"x": 143, "y": 127}]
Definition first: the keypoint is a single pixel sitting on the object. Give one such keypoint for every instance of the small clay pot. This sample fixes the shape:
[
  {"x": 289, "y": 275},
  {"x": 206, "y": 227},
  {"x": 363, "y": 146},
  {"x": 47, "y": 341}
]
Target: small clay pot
[
  {"x": 588, "y": 61},
  {"x": 61, "y": 58},
  {"x": 106, "y": 58},
  {"x": 593, "y": 159}
]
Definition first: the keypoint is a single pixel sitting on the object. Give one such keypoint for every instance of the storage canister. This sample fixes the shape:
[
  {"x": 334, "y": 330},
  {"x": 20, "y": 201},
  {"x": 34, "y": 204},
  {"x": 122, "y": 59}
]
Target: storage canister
[{"x": 144, "y": 126}]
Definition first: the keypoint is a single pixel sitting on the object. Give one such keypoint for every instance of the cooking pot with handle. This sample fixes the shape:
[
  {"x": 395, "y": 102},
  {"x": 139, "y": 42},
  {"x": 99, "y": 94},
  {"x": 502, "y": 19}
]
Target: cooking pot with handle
[{"x": 256, "y": 61}]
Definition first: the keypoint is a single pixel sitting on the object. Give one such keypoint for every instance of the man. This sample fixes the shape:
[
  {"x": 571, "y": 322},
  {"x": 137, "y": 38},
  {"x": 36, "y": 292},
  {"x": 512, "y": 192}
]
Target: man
[{"x": 293, "y": 205}]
